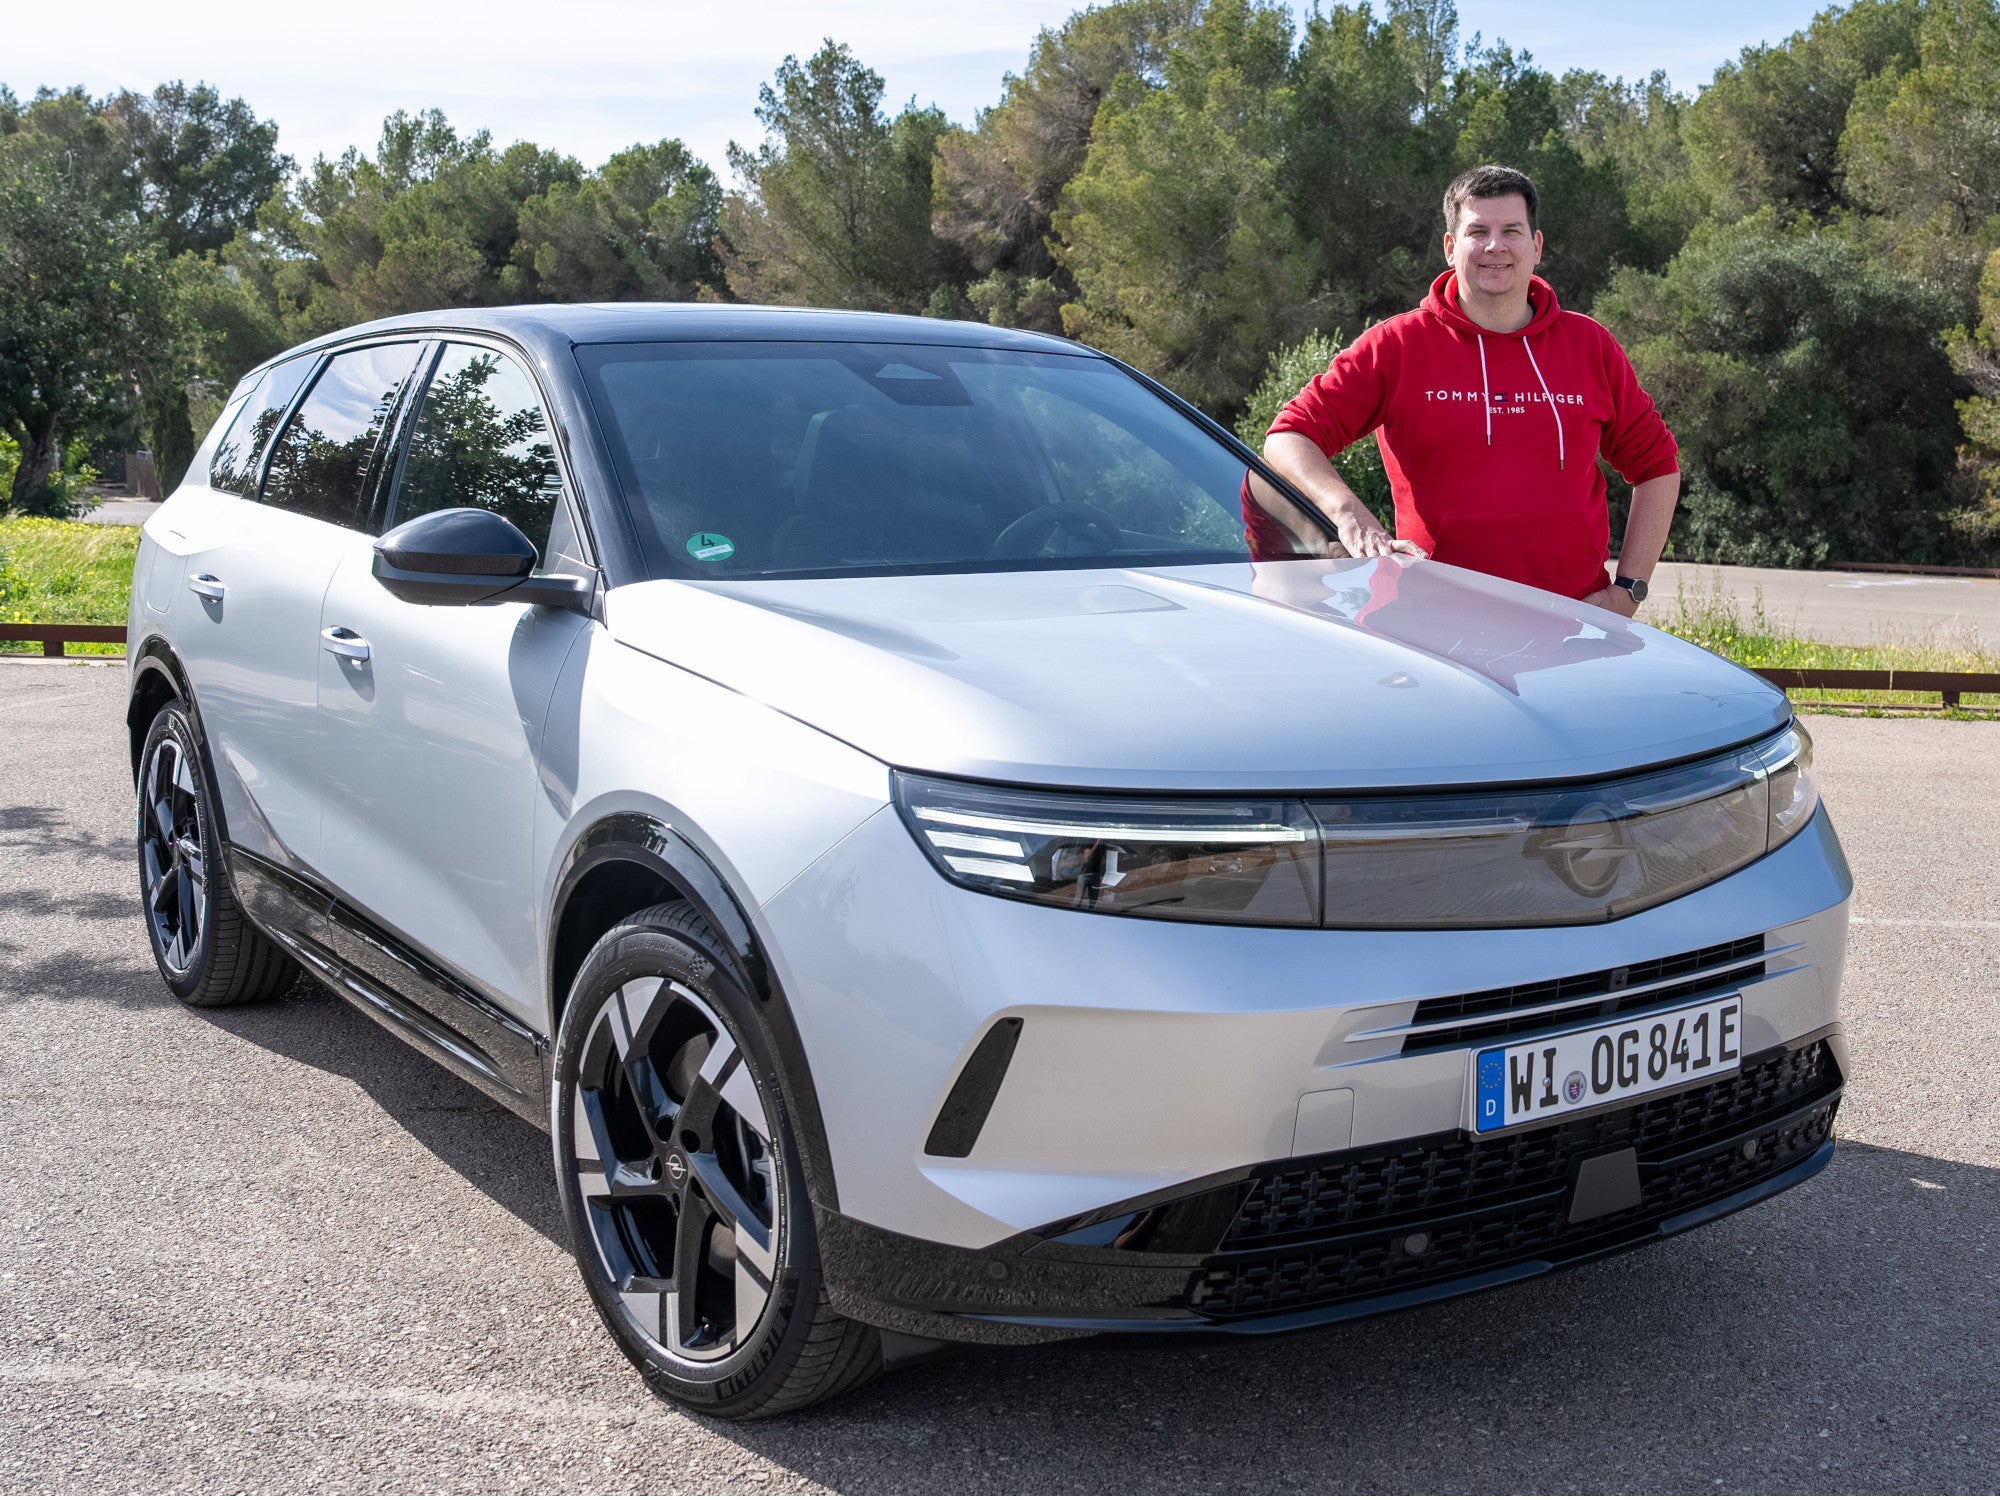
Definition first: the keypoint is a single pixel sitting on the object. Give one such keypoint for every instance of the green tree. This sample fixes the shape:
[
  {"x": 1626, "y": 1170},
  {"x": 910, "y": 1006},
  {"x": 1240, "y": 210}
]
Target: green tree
[
  {"x": 1975, "y": 354},
  {"x": 836, "y": 210},
  {"x": 997, "y": 185},
  {"x": 1767, "y": 131},
  {"x": 1360, "y": 464},
  {"x": 1922, "y": 148},
  {"x": 642, "y": 227},
  {"x": 1188, "y": 264},
  {"x": 201, "y": 165},
  {"x": 1812, "y": 399},
  {"x": 1639, "y": 129},
  {"x": 82, "y": 305},
  {"x": 433, "y": 220},
  {"x": 1365, "y": 161}
]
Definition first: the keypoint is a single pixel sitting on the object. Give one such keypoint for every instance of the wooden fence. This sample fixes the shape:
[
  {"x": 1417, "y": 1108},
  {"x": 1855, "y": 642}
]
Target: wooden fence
[{"x": 1950, "y": 686}]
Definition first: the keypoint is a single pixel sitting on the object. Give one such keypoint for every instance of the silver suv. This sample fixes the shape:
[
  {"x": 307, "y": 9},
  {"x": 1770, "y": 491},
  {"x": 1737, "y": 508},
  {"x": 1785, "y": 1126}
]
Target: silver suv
[{"x": 851, "y": 778}]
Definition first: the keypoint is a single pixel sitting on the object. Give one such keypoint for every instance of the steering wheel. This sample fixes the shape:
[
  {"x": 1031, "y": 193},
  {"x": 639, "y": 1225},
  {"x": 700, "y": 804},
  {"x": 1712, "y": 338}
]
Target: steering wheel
[{"x": 1044, "y": 521}]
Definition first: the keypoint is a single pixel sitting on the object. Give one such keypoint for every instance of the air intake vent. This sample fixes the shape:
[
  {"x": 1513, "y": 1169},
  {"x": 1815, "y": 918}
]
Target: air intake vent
[
  {"x": 971, "y": 1098},
  {"x": 1488, "y": 1015}
]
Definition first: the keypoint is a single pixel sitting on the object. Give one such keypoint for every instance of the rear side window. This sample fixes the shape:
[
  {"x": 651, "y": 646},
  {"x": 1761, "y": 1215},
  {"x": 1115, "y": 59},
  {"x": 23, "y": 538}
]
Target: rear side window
[
  {"x": 482, "y": 440},
  {"x": 328, "y": 449},
  {"x": 234, "y": 467}
]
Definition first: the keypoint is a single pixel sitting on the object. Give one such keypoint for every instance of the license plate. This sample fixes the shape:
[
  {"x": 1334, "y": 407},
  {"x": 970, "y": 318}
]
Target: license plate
[{"x": 1556, "y": 1075}]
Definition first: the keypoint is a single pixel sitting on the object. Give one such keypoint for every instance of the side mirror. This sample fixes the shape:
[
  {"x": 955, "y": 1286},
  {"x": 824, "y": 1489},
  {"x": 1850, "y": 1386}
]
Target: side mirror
[{"x": 469, "y": 556}]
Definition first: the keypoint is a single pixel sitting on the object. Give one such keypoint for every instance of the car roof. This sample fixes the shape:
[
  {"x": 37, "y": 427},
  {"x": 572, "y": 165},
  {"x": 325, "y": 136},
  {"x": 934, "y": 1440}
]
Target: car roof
[{"x": 547, "y": 327}]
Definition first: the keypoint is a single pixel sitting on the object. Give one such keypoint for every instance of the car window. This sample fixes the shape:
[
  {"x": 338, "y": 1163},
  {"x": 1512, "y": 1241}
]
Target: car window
[
  {"x": 234, "y": 467},
  {"x": 482, "y": 439},
  {"x": 322, "y": 458},
  {"x": 760, "y": 460}
]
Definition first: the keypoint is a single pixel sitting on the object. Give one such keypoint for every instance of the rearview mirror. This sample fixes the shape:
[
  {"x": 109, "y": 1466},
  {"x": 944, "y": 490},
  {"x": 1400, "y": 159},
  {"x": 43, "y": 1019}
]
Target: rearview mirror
[{"x": 469, "y": 556}]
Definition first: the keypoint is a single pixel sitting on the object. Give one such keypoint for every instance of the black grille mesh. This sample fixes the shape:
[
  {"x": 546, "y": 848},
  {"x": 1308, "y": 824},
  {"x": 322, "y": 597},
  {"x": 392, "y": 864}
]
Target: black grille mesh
[
  {"x": 1603, "y": 992},
  {"x": 1476, "y": 1205}
]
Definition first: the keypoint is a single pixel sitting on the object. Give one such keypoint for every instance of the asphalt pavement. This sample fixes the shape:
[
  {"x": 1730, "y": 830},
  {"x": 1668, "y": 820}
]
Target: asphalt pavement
[
  {"x": 1841, "y": 608},
  {"x": 275, "y": 1249}
]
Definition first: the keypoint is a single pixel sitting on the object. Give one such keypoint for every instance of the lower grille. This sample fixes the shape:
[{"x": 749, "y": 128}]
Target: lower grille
[{"x": 1365, "y": 1223}]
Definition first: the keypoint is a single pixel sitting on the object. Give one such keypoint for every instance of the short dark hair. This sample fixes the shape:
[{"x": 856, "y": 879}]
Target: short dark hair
[{"x": 1490, "y": 181}]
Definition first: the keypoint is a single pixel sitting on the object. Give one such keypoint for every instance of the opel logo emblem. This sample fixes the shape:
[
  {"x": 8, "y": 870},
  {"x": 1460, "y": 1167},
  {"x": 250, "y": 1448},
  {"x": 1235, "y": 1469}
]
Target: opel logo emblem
[
  {"x": 677, "y": 1168},
  {"x": 1588, "y": 853}
]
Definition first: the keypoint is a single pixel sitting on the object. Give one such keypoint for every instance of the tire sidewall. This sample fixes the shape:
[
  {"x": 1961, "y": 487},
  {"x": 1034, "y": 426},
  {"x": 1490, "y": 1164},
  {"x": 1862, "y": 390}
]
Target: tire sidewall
[
  {"x": 173, "y": 722},
  {"x": 636, "y": 951}
]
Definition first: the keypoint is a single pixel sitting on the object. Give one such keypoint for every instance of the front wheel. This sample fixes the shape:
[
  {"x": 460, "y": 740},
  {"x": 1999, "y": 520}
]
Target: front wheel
[{"x": 681, "y": 1183}]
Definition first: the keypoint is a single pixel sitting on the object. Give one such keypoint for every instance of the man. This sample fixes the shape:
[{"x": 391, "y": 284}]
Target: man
[{"x": 1491, "y": 405}]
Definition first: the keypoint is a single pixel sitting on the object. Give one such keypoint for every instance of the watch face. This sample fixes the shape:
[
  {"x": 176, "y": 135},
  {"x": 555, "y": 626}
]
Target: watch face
[{"x": 1636, "y": 587}]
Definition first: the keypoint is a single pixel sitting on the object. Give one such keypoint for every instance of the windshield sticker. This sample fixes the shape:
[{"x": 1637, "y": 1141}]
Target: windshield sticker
[{"x": 707, "y": 546}]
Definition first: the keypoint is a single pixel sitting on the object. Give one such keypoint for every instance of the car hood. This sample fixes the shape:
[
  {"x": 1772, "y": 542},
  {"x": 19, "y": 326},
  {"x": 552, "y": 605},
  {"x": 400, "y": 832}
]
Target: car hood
[{"x": 1299, "y": 675}]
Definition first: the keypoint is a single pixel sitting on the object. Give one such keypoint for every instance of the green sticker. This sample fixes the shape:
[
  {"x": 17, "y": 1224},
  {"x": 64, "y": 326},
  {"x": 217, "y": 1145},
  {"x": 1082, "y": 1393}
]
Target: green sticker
[{"x": 707, "y": 546}]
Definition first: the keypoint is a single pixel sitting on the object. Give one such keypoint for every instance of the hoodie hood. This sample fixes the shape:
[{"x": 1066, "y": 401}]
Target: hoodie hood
[
  {"x": 1306, "y": 675},
  {"x": 1441, "y": 302}
]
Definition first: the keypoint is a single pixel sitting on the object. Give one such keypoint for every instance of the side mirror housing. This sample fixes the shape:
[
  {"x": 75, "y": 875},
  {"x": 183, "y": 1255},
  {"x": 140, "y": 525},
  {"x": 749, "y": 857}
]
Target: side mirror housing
[{"x": 469, "y": 556}]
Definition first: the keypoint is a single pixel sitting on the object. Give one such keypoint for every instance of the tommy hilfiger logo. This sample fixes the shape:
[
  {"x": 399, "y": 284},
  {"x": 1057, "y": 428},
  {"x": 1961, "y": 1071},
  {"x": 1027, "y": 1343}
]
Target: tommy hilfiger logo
[{"x": 1508, "y": 398}]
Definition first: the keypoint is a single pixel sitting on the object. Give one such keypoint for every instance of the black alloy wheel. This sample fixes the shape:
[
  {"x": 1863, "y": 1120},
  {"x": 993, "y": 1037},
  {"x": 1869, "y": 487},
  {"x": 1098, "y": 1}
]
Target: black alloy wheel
[
  {"x": 173, "y": 871},
  {"x": 206, "y": 951},
  {"x": 685, "y": 1201}
]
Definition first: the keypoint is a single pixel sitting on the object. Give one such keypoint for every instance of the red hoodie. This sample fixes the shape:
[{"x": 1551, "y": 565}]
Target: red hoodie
[{"x": 1490, "y": 439}]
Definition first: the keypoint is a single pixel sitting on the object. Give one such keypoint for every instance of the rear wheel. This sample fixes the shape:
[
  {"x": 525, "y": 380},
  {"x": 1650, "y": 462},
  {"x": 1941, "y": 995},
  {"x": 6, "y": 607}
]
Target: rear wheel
[
  {"x": 681, "y": 1182},
  {"x": 207, "y": 953}
]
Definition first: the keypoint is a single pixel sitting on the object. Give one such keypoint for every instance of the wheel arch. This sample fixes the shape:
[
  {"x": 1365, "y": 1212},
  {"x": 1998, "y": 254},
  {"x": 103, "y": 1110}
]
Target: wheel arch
[
  {"x": 627, "y": 862},
  {"x": 157, "y": 678}
]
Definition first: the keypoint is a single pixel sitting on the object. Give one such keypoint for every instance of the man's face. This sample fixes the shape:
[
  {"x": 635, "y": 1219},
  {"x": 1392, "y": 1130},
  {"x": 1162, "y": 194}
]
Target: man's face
[{"x": 1494, "y": 251}]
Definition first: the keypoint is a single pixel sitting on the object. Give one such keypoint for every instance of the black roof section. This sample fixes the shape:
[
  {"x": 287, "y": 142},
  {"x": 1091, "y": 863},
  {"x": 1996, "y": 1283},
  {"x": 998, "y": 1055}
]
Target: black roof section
[{"x": 545, "y": 327}]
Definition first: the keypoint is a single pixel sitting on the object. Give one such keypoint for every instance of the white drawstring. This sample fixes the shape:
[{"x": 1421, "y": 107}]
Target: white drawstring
[
  {"x": 1562, "y": 460},
  {"x": 1486, "y": 390}
]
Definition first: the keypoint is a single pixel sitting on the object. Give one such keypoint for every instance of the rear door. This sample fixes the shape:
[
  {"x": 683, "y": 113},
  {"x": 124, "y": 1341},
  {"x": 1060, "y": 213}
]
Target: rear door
[
  {"x": 261, "y": 545},
  {"x": 428, "y": 745}
]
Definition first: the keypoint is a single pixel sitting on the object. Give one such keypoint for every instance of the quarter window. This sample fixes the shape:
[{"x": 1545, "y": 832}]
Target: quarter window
[
  {"x": 323, "y": 457},
  {"x": 234, "y": 467},
  {"x": 482, "y": 440}
]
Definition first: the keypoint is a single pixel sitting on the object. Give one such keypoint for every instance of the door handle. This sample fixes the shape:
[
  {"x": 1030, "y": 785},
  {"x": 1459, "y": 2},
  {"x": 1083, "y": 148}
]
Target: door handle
[
  {"x": 206, "y": 586},
  {"x": 343, "y": 642}
]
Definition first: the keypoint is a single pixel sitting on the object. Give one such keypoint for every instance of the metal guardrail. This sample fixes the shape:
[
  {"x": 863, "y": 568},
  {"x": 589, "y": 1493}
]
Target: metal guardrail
[
  {"x": 55, "y": 637},
  {"x": 1951, "y": 686}
]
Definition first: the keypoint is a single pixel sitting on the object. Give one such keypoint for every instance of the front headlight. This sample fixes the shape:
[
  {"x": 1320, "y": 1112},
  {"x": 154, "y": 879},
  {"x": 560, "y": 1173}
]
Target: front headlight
[
  {"x": 1539, "y": 856},
  {"x": 1185, "y": 860}
]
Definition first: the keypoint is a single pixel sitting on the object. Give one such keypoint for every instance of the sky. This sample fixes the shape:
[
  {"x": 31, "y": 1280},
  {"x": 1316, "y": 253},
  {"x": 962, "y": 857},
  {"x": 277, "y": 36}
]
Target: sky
[{"x": 590, "y": 77}]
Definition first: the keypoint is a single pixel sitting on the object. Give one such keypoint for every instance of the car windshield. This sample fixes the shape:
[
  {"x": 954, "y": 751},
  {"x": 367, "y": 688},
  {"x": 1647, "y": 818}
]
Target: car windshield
[{"x": 793, "y": 460}]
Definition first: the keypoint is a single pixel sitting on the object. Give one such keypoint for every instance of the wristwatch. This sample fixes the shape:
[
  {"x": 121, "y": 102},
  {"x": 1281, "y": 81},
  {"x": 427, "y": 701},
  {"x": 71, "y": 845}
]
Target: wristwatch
[{"x": 1636, "y": 587}]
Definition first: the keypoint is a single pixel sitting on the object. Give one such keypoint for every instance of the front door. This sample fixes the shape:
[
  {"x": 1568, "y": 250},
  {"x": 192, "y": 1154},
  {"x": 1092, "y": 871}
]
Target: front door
[{"x": 428, "y": 742}]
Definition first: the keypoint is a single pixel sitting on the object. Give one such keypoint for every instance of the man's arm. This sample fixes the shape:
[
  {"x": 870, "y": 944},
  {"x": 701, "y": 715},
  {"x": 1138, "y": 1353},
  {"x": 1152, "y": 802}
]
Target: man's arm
[
  {"x": 1298, "y": 459},
  {"x": 1646, "y": 527}
]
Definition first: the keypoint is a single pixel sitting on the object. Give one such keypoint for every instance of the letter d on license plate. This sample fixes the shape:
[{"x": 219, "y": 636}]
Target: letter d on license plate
[{"x": 1555, "y": 1075}]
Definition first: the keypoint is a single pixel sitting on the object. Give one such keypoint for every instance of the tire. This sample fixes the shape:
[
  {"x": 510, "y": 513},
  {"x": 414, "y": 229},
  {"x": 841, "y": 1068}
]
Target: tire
[
  {"x": 207, "y": 951},
  {"x": 678, "y": 1167}
]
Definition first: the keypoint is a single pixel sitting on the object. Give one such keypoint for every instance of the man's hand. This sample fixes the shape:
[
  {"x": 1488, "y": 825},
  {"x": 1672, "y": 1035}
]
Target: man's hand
[
  {"x": 1373, "y": 541},
  {"x": 1614, "y": 599},
  {"x": 1298, "y": 459}
]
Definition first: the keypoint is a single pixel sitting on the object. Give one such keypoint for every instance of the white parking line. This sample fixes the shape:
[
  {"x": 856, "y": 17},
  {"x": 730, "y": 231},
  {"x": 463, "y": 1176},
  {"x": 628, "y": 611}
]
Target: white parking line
[
  {"x": 645, "y": 1411},
  {"x": 1972, "y": 924}
]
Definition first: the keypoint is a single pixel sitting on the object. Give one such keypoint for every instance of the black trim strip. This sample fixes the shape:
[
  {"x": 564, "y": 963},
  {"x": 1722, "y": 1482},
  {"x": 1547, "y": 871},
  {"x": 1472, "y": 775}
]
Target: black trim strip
[
  {"x": 970, "y": 1101},
  {"x": 390, "y": 980}
]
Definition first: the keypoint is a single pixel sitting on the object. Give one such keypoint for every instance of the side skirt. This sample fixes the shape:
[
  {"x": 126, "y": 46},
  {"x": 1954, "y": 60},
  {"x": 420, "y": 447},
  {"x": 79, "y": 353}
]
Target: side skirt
[{"x": 387, "y": 979}]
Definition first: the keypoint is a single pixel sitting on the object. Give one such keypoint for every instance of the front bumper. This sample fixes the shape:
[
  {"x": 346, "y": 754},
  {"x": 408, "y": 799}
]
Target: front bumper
[{"x": 1294, "y": 1243}]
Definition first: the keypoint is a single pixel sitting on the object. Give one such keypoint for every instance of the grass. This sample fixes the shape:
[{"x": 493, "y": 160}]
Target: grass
[
  {"x": 64, "y": 573},
  {"x": 75, "y": 573},
  {"x": 1713, "y": 621}
]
